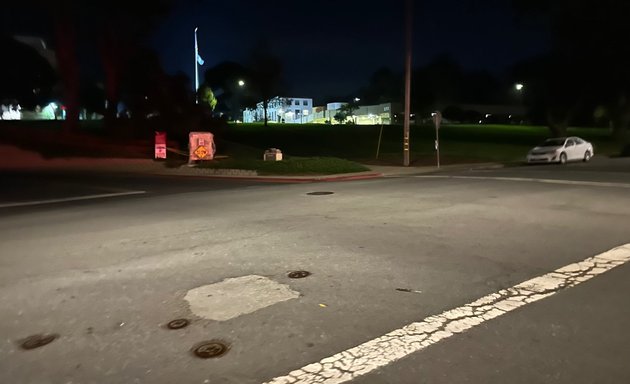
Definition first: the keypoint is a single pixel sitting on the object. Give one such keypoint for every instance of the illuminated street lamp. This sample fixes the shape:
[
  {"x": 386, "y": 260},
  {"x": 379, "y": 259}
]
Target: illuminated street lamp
[
  {"x": 241, "y": 83},
  {"x": 519, "y": 86},
  {"x": 356, "y": 99}
]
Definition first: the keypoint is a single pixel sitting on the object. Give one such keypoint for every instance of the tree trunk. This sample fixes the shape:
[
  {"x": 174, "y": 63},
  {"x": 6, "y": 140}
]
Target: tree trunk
[
  {"x": 620, "y": 130},
  {"x": 558, "y": 122},
  {"x": 265, "y": 107},
  {"x": 110, "y": 57},
  {"x": 620, "y": 120},
  {"x": 114, "y": 53},
  {"x": 65, "y": 35}
]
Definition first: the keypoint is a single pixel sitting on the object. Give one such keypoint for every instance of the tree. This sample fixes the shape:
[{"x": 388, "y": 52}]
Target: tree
[
  {"x": 265, "y": 74},
  {"x": 384, "y": 86},
  {"x": 340, "y": 117},
  {"x": 115, "y": 25},
  {"x": 590, "y": 52},
  {"x": 225, "y": 79},
  {"x": 120, "y": 27},
  {"x": 551, "y": 93},
  {"x": 26, "y": 75},
  {"x": 346, "y": 111},
  {"x": 66, "y": 47},
  {"x": 207, "y": 98}
]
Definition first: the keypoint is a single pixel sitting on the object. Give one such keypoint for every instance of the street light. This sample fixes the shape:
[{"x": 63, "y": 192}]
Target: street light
[
  {"x": 356, "y": 99},
  {"x": 519, "y": 86},
  {"x": 241, "y": 83}
]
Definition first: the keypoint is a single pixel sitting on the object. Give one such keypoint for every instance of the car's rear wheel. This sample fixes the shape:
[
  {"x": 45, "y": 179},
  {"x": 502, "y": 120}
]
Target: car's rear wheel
[
  {"x": 563, "y": 158},
  {"x": 587, "y": 156}
]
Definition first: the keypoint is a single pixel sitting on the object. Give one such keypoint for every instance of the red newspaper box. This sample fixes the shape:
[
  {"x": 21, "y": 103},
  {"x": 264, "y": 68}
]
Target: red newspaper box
[
  {"x": 201, "y": 146},
  {"x": 160, "y": 145}
]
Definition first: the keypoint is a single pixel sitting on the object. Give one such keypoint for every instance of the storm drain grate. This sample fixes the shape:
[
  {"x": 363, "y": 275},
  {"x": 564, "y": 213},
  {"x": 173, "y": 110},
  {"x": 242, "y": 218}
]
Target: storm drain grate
[
  {"x": 210, "y": 349},
  {"x": 298, "y": 274},
  {"x": 178, "y": 324},
  {"x": 320, "y": 193},
  {"x": 37, "y": 341}
]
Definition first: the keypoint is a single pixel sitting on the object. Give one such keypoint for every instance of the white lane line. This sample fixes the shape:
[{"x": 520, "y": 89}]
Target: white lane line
[
  {"x": 66, "y": 199},
  {"x": 384, "y": 350},
  {"x": 528, "y": 179}
]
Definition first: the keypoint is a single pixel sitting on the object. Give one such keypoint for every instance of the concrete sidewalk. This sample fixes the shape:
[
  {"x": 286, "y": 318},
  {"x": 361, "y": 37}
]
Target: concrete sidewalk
[
  {"x": 13, "y": 158},
  {"x": 393, "y": 171},
  {"x": 16, "y": 159}
]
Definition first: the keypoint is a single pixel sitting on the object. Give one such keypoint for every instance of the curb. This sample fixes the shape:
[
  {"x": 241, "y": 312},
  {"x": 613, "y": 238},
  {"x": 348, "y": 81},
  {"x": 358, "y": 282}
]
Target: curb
[
  {"x": 283, "y": 179},
  {"x": 411, "y": 171}
]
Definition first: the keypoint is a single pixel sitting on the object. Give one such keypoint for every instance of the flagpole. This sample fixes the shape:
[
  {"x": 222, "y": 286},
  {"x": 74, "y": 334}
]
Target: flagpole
[{"x": 196, "y": 68}]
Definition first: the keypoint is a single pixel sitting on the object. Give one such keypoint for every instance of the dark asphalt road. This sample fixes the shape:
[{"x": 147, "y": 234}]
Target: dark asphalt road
[
  {"x": 106, "y": 274},
  {"x": 32, "y": 186}
]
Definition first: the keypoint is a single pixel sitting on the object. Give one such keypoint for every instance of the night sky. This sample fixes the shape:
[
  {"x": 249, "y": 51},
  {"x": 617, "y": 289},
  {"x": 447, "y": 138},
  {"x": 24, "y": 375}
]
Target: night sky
[{"x": 330, "y": 48}]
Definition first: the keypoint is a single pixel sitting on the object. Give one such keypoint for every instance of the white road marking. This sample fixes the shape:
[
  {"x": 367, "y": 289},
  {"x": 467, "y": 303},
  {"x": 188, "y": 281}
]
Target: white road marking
[
  {"x": 67, "y": 199},
  {"x": 528, "y": 179},
  {"x": 384, "y": 350}
]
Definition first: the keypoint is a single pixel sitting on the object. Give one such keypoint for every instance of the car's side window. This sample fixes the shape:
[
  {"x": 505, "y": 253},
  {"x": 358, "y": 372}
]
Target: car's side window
[
  {"x": 579, "y": 141},
  {"x": 570, "y": 143}
]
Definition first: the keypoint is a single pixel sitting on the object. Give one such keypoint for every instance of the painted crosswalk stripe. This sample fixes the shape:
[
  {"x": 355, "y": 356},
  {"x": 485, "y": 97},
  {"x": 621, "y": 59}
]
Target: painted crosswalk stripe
[
  {"x": 374, "y": 354},
  {"x": 531, "y": 179}
]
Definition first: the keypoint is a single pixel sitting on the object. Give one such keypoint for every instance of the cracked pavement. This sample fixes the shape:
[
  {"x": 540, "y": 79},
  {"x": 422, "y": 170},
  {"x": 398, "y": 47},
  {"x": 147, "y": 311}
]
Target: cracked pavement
[
  {"x": 367, "y": 357},
  {"x": 480, "y": 254}
]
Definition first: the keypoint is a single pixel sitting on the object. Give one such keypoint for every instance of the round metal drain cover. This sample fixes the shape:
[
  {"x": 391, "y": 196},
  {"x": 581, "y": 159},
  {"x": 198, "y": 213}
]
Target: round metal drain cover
[
  {"x": 210, "y": 349},
  {"x": 178, "y": 324},
  {"x": 320, "y": 193},
  {"x": 298, "y": 274},
  {"x": 37, "y": 341}
]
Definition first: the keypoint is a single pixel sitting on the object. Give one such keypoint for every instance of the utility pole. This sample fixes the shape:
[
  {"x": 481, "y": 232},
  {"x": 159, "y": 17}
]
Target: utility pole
[{"x": 406, "y": 121}]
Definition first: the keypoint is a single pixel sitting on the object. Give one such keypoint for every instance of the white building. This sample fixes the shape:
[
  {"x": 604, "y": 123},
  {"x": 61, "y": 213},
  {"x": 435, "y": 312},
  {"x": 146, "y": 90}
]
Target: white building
[
  {"x": 386, "y": 113},
  {"x": 282, "y": 110}
]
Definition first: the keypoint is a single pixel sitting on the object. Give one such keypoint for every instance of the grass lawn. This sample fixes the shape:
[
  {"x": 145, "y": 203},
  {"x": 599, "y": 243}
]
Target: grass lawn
[
  {"x": 314, "y": 148},
  {"x": 458, "y": 143},
  {"x": 291, "y": 166},
  {"x": 238, "y": 156}
]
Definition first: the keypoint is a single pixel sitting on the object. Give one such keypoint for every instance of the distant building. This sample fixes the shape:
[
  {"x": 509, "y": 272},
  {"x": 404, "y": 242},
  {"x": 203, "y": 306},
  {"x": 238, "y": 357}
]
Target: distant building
[
  {"x": 282, "y": 110},
  {"x": 386, "y": 113},
  {"x": 485, "y": 114},
  {"x": 300, "y": 111}
]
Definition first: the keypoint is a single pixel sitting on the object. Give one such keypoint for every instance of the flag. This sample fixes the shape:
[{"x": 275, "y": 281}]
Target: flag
[{"x": 200, "y": 60}]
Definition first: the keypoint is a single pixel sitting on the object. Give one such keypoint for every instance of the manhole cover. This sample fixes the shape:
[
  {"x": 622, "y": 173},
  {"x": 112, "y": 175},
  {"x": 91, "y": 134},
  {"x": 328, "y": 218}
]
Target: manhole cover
[
  {"x": 298, "y": 274},
  {"x": 178, "y": 324},
  {"x": 320, "y": 193},
  {"x": 210, "y": 349},
  {"x": 37, "y": 341}
]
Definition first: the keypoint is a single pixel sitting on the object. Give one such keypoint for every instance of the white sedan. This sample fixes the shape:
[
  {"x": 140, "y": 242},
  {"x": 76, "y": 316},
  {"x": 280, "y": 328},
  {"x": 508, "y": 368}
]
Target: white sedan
[{"x": 561, "y": 150}]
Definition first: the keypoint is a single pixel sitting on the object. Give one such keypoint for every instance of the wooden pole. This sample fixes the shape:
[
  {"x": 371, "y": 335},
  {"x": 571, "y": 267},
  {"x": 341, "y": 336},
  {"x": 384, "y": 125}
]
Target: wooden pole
[
  {"x": 406, "y": 121},
  {"x": 378, "y": 147}
]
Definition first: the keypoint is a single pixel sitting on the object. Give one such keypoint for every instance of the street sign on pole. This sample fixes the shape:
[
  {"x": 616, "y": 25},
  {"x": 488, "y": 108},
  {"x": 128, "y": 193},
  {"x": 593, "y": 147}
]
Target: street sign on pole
[
  {"x": 201, "y": 146},
  {"x": 160, "y": 145},
  {"x": 437, "y": 120}
]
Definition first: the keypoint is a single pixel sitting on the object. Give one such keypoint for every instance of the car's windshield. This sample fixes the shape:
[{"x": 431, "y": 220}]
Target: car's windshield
[{"x": 552, "y": 143}]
